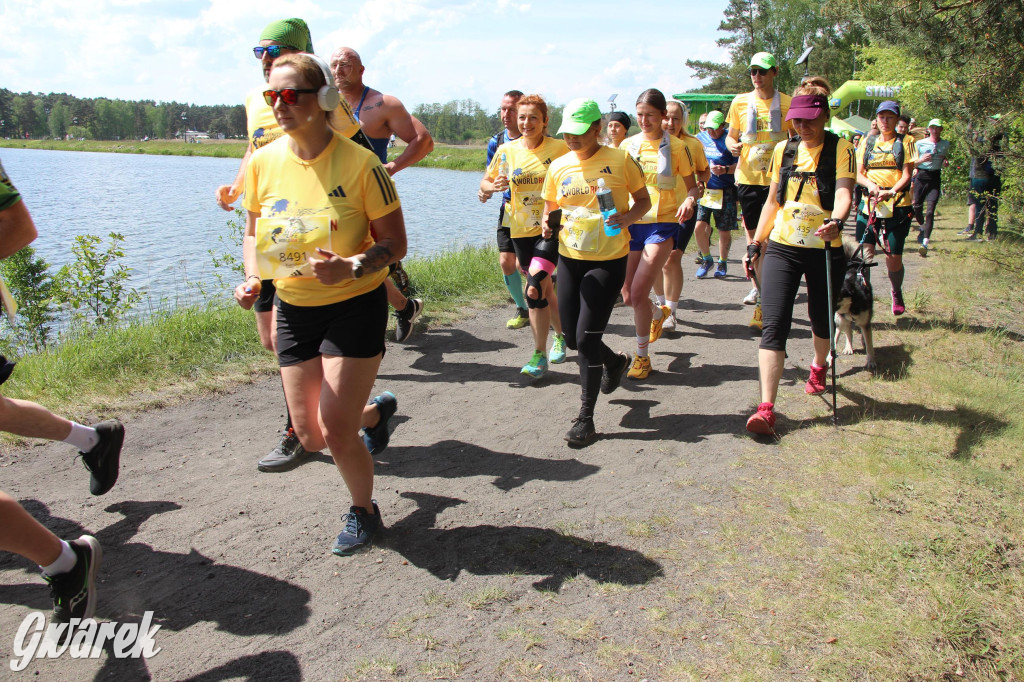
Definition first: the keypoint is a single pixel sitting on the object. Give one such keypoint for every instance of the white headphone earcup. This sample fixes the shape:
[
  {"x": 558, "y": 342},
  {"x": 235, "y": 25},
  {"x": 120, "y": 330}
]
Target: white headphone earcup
[{"x": 328, "y": 97}]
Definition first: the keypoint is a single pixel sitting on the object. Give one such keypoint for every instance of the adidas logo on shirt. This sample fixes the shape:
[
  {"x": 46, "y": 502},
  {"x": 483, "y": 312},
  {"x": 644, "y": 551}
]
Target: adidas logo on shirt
[
  {"x": 607, "y": 169},
  {"x": 338, "y": 192}
]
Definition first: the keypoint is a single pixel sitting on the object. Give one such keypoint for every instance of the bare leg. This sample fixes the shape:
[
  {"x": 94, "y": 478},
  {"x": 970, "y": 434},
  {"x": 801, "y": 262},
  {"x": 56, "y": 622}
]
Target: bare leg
[
  {"x": 22, "y": 534},
  {"x": 650, "y": 262},
  {"x": 395, "y": 297},
  {"x": 702, "y": 234},
  {"x": 724, "y": 243},
  {"x": 769, "y": 364},
  {"x": 672, "y": 273},
  {"x": 302, "y": 385},
  {"x": 24, "y": 418},
  {"x": 266, "y": 326}
]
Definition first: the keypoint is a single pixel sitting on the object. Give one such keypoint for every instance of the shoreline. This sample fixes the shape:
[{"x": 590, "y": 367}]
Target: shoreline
[{"x": 448, "y": 157}]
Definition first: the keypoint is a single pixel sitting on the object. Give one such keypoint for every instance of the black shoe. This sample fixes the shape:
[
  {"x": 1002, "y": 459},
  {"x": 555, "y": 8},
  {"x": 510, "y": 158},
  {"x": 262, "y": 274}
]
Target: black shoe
[
  {"x": 405, "y": 320},
  {"x": 6, "y": 367},
  {"x": 360, "y": 530},
  {"x": 582, "y": 432},
  {"x": 377, "y": 437},
  {"x": 288, "y": 454},
  {"x": 104, "y": 460},
  {"x": 74, "y": 592},
  {"x": 611, "y": 377}
]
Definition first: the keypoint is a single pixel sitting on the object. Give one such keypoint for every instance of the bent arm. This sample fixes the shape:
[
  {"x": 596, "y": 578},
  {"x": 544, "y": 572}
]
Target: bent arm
[
  {"x": 226, "y": 194},
  {"x": 391, "y": 242},
  {"x": 410, "y": 130},
  {"x": 767, "y": 221},
  {"x": 16, "y": 229}
]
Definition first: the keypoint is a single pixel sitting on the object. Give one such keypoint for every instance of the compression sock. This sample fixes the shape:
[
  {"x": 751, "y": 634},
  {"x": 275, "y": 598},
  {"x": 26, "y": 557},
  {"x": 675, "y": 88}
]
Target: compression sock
[
  {"x": 84, "y": 438},
  {"x": 514, "y": 284},
  {"x": 896, "y": 279},
  {"x": 641, "y": 345},
  {"x": 64, "y": 563}
]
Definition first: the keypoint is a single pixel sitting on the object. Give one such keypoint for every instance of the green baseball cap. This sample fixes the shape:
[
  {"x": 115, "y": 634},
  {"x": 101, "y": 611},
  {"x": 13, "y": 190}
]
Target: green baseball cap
[
  {"x": 579, "y": 115},
  {"x": 763, "y": 60},
  {"x": 935, "y": 123},
  {"x": 714, "y": 120}
]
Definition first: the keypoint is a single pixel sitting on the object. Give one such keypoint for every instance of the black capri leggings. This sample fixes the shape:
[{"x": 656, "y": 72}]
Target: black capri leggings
[
  {"x": 927, "y": 190},
  {"x": 586, "y": 295},
  {"x": 783, "y": 268}
]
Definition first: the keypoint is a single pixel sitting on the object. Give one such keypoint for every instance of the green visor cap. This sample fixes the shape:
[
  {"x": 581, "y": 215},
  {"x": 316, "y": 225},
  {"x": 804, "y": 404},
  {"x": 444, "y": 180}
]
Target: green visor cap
[
  {"x": 714, "y": 120},
  {"x": 935, "y": 123},
  {"x": 763, "y": 60},
  {"x": 578, "y": 116}
]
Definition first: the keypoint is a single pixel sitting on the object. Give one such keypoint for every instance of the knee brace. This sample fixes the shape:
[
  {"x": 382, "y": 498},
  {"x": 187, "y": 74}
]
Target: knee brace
[{"x": 534, "y": 281}]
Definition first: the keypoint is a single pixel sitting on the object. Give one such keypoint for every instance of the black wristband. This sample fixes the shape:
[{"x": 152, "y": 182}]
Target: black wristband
[{"x": 753, "y": 250}]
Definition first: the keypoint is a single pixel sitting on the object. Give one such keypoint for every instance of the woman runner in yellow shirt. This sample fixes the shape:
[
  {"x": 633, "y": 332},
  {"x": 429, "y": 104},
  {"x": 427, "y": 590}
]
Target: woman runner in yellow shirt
[
  {"x": 663, "y": 158},
  {"x": 310, "y": 196},
  {"x": 526, "y": 160}
]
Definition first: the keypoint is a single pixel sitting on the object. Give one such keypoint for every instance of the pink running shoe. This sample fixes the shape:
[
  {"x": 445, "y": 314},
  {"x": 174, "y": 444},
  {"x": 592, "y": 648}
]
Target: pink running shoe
[
  {"x": 815, "y": 382},
  {"x": 762, "y": 422}
]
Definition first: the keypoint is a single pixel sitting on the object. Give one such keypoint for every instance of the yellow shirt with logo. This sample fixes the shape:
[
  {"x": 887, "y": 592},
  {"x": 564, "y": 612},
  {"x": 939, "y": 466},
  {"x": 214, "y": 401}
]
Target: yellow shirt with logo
[
  {"x": 262, "y": 127},
  {"x": 346, "y": 183},
  {"x": 527, "y": 169},
  {"x": 755, "y": 158},
  {"x": 572, "y": 184},
  {"x": 700, "y": 164},
  {"x": 883, "y": 171},
  {"x": 664, "y": 203},
  {"x": 799, "y": 217}
]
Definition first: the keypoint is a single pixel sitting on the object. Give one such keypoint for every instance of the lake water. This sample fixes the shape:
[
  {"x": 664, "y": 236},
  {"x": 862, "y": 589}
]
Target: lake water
[{"x": 164, "y": 208}]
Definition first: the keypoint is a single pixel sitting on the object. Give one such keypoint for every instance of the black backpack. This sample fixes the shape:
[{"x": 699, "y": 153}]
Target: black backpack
[
  {"x": 825, "y": 173},
  {"x": 897, "y": 151}
]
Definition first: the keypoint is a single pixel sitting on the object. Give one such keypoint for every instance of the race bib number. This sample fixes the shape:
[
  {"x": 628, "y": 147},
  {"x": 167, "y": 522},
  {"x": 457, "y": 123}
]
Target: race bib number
[
  {"x": 883, "y": 209},
  {"x": 284, "y": 245},
  {"x": 582, "y": 230},
  {"x": 712, "y": 199},
  {"x": 760, "y": 156},
  {"x": 529, "y": 207},
  {"x": 799, "y": 223}
]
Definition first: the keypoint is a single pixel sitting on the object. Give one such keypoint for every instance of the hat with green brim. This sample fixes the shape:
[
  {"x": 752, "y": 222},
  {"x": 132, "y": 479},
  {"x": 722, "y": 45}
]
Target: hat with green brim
[
  {"x": 714, "y": 120},
  {"x": 292, "y": 33},
  {"x": 578, "y": 116},
  {"x": 935, "y": 123},
  {"x": 763, "y": 60}
]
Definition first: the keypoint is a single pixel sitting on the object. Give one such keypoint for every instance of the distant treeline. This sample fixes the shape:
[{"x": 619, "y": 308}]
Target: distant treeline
[
  {"x": 56, "y": 115},
  {"x": 465, "y": 121}
]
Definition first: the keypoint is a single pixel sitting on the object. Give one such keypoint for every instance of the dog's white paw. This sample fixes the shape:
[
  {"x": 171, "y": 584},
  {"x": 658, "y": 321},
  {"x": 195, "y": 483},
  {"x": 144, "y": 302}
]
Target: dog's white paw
[{"x": 848, "y": 350}]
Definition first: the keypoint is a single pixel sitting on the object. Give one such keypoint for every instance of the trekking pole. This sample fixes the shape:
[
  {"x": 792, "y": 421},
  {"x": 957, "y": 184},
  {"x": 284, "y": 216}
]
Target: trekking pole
[{"x": 831, "y": 328}]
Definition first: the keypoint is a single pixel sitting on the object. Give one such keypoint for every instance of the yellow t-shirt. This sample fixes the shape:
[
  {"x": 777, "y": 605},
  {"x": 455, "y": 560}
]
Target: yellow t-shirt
[
  {"x": 755, "y": 157},
  {"x": 262, "y": 127},
  {"x": 799, "y": 217},
  {"x": 663, "y": 203},
  {"x": 346, "y": 183},
  {"x": 882, "y": 170},
  {"x": 700, "y": 164},
  {"x": 527, "y": 168},
  {"x": 572, "y": 184}
]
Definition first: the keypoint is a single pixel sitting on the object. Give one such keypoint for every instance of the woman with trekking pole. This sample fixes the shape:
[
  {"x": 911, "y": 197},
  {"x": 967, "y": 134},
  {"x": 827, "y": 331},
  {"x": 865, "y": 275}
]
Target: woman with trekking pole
[{"x": 812, "y": 178}]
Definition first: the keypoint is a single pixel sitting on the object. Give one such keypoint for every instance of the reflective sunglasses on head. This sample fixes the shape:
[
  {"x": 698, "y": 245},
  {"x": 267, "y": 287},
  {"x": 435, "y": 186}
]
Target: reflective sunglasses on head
[
  {"x": 290, "y": 96},
  {"x": 273, "y": 51},
  {"x": 754, "y": 71}
]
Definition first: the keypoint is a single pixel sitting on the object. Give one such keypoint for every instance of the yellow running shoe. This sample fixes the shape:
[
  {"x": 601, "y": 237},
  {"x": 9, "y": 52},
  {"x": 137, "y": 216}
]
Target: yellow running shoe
[
  {"x": 755, "y": 321},
  {"x": 641, "y": 368},
  {"x": 657, "y": 325},
  {"x": 520, "y": 320}
]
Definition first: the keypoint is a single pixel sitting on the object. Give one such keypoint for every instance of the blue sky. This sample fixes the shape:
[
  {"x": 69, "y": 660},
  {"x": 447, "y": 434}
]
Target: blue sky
[{"x": 201, "y": 51}]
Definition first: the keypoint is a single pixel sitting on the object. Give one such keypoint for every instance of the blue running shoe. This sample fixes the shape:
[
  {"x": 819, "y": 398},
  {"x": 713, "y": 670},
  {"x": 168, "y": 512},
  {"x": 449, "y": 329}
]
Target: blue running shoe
[
  {"x": 537, "y": 365},
  {"x": 722, "y": 269},
  {"x": 557, "y": 354},
  {"x": 704, "y": 268},
  {"x": 360, "y": 530},
  {"x": 377, "y": 437}
]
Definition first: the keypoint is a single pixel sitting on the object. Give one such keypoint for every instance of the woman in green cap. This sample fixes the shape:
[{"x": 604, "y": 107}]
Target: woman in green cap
[{"x": 592, "y": 248}]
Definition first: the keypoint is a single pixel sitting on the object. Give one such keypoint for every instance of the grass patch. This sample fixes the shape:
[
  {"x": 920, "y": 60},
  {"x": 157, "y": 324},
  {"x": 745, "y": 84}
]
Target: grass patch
[
  {"x": 529, "y": 639},
  {"x": 376, "y": 669},
  {"x": 481, "y": 599}
]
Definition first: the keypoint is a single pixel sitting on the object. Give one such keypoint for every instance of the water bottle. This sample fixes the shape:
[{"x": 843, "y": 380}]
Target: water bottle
[
  {"x": 607, "y": 205},
  {"x": 503, "y": 168}
]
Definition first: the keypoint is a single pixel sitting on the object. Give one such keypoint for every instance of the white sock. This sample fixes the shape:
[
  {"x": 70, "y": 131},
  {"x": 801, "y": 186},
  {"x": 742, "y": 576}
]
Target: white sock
[
  {"x": 926, "y": 241},
  {"x": 84, "y": 438},
  {"x": 672, "y": 306},
  {"x": 64, "y": 563},
  {"x": 659, "y": 299},
  {"x": 641, "y": 345}
]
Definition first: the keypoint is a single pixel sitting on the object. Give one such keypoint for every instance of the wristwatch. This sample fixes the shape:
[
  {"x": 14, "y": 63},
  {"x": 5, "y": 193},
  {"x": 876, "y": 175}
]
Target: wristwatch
[{"x": 357, "y": 270}]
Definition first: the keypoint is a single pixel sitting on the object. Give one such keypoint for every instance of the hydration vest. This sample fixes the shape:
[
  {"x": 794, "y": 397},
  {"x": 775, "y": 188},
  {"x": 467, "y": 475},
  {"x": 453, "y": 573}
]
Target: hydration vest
[
  {"x": 897, "y": 151},
  {"x": 825, "y": 173}
]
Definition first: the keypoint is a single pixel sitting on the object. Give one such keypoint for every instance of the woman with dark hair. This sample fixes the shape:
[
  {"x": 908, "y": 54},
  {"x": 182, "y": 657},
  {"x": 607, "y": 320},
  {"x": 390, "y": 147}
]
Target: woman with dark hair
[
  {"x": 310, "y": 197},
  {"x": 521, "y": 165},
  {"x": 617, "y": 128},
  {"x": 666, "y": 162},
  {"x": 592, "y": 249},
  {"x": 812, "y": 178}
]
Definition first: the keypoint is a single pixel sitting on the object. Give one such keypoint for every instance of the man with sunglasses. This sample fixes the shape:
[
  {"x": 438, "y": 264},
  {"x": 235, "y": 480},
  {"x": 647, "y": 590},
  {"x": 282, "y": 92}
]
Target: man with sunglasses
[
  {"x": 284, "y": 37},
  {"x": 757, "y": 122},
  {"x": 382, "y": 116}
]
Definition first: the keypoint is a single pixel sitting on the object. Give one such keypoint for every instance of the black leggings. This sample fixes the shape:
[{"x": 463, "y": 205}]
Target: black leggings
[
  {"x": 586, "y": 295},
  {"x": 927, "y": 189},
  {"x": 783, "y": 268}
]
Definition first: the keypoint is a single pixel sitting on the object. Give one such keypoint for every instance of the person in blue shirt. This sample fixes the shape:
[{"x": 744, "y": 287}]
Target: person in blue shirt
[
  {"x": 719, "y": 198},
  {"x": 932, "y": 157}
]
